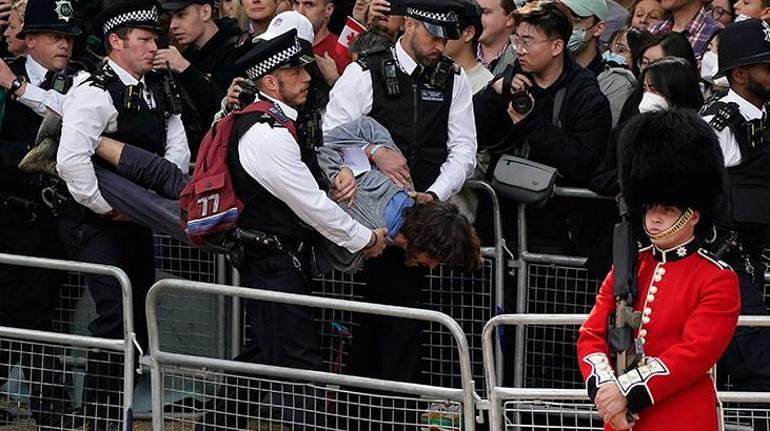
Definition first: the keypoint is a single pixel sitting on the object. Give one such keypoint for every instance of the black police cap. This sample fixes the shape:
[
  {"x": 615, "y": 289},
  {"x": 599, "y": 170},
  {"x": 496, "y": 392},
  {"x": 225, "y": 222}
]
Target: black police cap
[
  {"x": 743, "y": 43},
  {"x": 441, "y": 17},
  {"x": 129, "y": 13},
  {"x": 49, "y": 16},
  {"x": 283, "y": 50},
  {"x": 175, "y": 5}
]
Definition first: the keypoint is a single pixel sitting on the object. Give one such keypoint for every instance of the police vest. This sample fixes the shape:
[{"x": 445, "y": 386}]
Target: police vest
[
  {"x": 137, "y": 123},
  {"x": 262, "y": 210},
  {"x": 417, "y": 117},
  {"x": 747, "y": 201},
  {"x": 19, "y": 129}
]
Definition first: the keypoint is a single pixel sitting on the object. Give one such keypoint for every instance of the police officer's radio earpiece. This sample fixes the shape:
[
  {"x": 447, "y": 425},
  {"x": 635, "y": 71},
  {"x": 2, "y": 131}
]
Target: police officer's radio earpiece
[{"x": 390, "y": 76}]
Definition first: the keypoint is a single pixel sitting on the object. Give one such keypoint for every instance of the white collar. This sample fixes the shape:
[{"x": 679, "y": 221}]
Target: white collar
[
  {"x": 124, "y": 76},
  {"x": 406, "y": 62},
  {"x": 748, "y": 110},
  {"x": 35, "y": 71},
  {"x": 288, "y": 110}
]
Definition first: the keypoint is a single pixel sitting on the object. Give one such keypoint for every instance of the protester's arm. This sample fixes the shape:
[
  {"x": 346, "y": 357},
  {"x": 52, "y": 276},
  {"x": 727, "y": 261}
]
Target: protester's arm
[
  {"x": 278, "y": 167},
  {"x": 177, "y": 148},
  {"x": 88, "y": 111},
  {"x": 461, "y": 142}
]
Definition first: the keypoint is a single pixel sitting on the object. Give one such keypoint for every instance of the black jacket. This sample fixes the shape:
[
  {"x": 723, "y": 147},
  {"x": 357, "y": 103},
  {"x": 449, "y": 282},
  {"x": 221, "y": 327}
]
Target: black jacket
[
  {"x": 204, "y": 84},
  {"x": 567, "y": 226}
]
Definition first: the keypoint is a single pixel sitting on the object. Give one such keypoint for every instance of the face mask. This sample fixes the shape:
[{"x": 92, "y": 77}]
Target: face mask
[
  {"x": 611, "y": 57},
  {"x": 651, "y": 102},
  {"x": 709, "y": 65},
  {"x": 577, "y": 41}
]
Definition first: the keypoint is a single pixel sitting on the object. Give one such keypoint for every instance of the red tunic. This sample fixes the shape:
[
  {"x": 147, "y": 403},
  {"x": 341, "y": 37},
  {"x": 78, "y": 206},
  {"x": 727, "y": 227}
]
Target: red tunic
[{"x": 690, "y": 304}]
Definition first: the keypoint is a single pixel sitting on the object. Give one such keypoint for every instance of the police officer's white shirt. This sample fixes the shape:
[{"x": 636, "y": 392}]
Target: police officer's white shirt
[
  {"x": 727, "y": 141},
  {"x": 39, "y": 100},
  {"x": 89, "y": 112},
  {"x": 272, "y": 157},
  {"x": 351, "y": 98}
]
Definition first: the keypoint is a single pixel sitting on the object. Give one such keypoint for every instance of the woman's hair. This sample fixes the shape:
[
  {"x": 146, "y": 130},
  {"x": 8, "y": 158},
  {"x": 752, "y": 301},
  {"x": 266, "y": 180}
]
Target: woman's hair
[
  {"x": 673, "y": 45},
  {"x": 19, "y": 6},
  {"x": 675, "y": 79},
  {"x": 637, "y": 38},
  {"x": 439, "y": 230}
]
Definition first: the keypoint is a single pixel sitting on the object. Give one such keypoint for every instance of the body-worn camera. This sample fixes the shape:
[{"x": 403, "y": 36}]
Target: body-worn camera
[
  {"x": 390, "y": 76},
  {"x": 521, "y": 102},
  {"x": 248, "y": 93},
  {"x": 441, "y": 74}
]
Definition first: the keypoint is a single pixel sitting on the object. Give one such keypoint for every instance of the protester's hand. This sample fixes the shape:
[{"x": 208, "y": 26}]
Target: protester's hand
[
  {"x": 620, "y": 422},
  {"x": 379, "y": 10},
  {"x": 393, "y": 165},
  {"x": 610, "y": 401},
  {"x": 421, "y": 198},
  {"x": 328, "y": 68},
  {"x": 377, "y": 244},
  {"x": 170, "y": 58},
  {"x": 345, "y": 186},
  {"x": 232, "y": 94},
  {"x": 5, "y": 12}
]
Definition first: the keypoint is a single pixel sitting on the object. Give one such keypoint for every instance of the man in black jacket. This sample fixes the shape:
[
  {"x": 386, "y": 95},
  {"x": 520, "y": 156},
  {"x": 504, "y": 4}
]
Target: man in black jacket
[{"x": 204, "y": 69}]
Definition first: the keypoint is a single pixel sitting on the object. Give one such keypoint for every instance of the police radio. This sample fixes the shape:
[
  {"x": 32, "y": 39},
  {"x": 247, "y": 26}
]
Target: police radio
[
  {"x": 390, "y": 76},
  {"x": 171, "y": 91}
]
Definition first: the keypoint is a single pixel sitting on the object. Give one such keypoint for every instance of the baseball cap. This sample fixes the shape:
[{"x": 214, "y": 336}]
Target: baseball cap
[{"x": 584, "y": 8}]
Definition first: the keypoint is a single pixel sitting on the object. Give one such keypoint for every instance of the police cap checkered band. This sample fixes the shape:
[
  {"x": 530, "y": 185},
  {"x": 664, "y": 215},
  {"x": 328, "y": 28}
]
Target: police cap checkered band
[
  {"x": 446, "y": 17},
  {"x": 274, "y": 61},
  {"x": 139, "y": 17}
]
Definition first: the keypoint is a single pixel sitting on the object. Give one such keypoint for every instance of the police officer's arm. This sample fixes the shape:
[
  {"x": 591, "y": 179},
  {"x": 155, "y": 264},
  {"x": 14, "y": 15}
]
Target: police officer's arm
[
  {"x": 272, "y": 157},
  {"x": 350, "y": 98},
  {"x": 87, "y": 113},
  {"x": 177, "y": 148},
  {"x": 461, "y": 142}
]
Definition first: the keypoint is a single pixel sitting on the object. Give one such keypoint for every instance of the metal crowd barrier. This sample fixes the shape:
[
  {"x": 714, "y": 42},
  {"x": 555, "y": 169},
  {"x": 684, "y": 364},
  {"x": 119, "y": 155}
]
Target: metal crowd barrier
[
  {"x": 273, "y": 395},
  {"x": 56, "y": 354},
  {"x": 570, "y": 409}
]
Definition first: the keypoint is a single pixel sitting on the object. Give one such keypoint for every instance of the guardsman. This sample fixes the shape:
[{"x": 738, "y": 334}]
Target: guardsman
[
  {"x": 687, "y": 300},
  {"x": 122, "y": 100},
  {"x": 739, "y": 119}
]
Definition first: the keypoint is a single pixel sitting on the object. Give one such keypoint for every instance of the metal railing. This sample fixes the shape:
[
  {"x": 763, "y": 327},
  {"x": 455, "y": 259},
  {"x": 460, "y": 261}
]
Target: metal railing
[
  {"x": 498, "y": 395},
  {"x": 124, "y": 346},
  {"x": 162, "y": 361}
]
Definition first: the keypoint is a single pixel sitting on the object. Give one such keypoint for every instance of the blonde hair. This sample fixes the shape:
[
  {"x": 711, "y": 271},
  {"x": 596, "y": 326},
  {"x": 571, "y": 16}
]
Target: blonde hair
[{"x": 20, "y": 7}]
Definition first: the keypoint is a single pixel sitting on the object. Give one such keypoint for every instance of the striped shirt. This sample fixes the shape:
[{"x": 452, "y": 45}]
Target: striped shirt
[{"x": 699, "y": 31}]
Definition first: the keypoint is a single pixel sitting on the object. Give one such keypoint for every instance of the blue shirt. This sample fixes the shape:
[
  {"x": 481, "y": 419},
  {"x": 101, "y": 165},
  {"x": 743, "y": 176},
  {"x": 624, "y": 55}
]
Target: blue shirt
[{"x": 393, "y": 212}]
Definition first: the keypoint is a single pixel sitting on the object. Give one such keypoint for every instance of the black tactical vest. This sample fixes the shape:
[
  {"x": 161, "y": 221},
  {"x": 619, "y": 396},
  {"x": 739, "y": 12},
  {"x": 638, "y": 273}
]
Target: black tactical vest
[
  {"x": 263, "y": 211},
  {"x": 417, "y": 118},
  {"x": 747, "y": 200}
]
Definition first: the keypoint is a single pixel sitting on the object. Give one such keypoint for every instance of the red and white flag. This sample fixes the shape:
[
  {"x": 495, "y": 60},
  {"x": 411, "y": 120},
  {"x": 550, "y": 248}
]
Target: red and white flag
[{"x": 348, "y": 34}]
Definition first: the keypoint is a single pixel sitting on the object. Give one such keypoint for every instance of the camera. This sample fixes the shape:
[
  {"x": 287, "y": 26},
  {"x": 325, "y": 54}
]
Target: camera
[
  {"x": 521, "y": 102},
  {"x": 248, "y": 93}
]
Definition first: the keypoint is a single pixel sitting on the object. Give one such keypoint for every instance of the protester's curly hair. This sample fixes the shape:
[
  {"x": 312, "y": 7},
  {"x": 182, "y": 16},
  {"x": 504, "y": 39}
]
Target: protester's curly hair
[{"x": 438, "y": 229}]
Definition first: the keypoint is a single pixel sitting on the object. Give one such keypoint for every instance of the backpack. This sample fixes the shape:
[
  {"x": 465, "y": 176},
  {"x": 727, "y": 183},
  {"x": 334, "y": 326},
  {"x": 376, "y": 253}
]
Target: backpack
[{"x": 209, "y": 208}]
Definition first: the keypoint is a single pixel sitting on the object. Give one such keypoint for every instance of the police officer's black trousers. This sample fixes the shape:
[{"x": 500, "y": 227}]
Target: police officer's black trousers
[
  {"x": 27, "y": 297},
  {"x": 128, "y": 246},
  {"x": 285, "y": 335}
]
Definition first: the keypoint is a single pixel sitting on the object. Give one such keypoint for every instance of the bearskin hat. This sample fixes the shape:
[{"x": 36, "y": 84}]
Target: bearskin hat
[{"x": 672, "y": 158}]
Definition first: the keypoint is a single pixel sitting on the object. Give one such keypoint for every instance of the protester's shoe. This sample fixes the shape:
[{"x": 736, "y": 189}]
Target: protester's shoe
[
  {"x": 441, "y": 417},
  {"x": 42, "y": 157}
]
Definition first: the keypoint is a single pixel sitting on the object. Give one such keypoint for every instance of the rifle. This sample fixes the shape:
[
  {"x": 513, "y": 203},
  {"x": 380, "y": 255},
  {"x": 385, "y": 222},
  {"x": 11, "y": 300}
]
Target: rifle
[{"x": 625, "y": 320}]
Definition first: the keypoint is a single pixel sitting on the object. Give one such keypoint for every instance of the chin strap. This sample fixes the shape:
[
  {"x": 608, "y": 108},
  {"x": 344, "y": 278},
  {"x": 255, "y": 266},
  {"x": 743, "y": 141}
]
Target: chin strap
[{"x": 680, "y": 223}]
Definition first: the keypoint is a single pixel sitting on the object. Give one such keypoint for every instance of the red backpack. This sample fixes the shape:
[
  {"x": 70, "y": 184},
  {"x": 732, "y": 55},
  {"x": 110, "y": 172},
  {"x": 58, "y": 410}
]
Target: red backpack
[{"x": 209, "y": 207}]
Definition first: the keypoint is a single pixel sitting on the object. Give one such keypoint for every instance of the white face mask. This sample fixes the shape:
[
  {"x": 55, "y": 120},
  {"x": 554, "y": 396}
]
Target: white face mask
[
  {"x": 652, "y": 102},
  {"x": 709, "y": 65}
]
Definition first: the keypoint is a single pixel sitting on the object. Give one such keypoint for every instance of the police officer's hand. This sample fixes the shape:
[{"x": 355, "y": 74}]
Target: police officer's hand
[
  {"x": 379, "y": 10},
  {"x": 345, "y": 186},
  {"x": 232, "y": 94},
  {"x": 609, "y": 401},
  {"x": 170, "y": 58},
  {"x": 393, "y": 165},
  {"x": 328, "y": 68},
  {"x": 377, "y": 243},
  {"x": 421, "y": 198}
]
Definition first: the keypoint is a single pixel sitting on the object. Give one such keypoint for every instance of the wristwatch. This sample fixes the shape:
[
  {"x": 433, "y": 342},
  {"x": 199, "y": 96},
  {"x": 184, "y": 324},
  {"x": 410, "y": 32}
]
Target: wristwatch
[{"x": 15, "y": 85}]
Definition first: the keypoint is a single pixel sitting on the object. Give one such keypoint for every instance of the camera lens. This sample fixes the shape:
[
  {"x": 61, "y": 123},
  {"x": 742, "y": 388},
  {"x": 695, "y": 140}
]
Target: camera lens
[{"x": 521, "y": 103}]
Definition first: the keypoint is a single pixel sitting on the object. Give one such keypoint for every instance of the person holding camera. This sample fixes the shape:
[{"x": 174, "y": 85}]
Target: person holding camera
[{"x": 424, "y": 100}]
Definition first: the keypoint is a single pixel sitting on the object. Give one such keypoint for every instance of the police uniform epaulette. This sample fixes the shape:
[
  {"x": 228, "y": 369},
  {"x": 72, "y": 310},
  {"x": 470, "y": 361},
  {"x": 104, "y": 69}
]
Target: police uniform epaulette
[
  {"x": 449, "y": 60},
  {"x": 103, "y": 77},
  {"x": 723, "y": 113},
  {"x": 362, "y": 57},
  {"x": 711, "y": 257}
]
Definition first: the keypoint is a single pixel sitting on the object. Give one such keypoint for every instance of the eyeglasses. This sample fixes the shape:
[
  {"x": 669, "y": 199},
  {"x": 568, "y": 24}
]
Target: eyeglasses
[
  {"x": 717, "y": 12},
  {"x": 525, "y": 43}
]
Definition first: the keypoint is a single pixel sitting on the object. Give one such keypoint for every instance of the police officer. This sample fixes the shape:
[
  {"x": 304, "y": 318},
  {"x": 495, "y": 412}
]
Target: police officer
[
  {"x": 29, "y": 294},
  {"x": 205, "y": 67},
  {"x": 124, "y": 101},
  {"x": 285, "y": 211},
  {"x": 740, "y": 121},
  {"x": 424, "y": 100}
]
